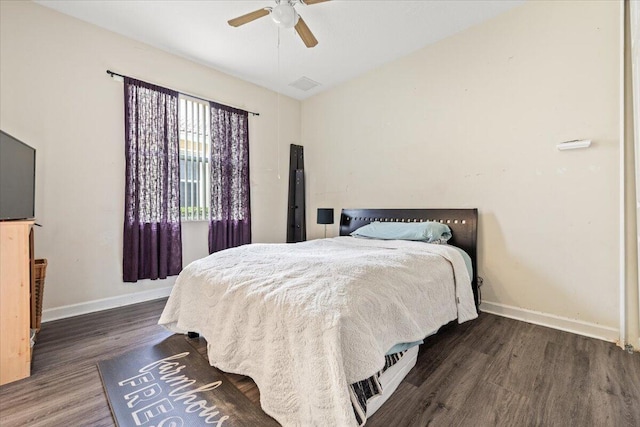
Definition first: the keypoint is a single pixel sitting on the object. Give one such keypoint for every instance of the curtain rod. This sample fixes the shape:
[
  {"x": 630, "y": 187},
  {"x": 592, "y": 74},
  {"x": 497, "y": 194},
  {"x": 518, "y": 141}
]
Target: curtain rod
[{"x": 112, "y": 74}]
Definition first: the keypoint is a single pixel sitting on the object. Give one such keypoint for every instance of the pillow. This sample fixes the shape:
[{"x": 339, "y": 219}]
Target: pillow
[{"x": 430, "y": 232}]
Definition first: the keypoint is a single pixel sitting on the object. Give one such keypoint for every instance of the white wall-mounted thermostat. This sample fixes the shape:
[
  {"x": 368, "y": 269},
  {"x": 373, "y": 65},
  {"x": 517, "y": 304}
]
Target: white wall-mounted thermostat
[{"x": 576, "y": 143}]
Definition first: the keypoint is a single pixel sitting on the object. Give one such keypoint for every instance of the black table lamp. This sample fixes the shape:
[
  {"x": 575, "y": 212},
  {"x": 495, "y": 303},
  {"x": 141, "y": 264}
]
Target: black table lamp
[{"x": 325, "y": 216}]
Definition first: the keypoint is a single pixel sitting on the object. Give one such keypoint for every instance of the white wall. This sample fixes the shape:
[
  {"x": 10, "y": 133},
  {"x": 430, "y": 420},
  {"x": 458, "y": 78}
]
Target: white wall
[
  {"x": 57, "y": 97},
  {"x": 473, "y": 121}
]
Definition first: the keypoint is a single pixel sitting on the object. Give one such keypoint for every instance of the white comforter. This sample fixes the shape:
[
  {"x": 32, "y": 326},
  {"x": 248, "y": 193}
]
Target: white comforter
[{"x": 306, "y": 320}]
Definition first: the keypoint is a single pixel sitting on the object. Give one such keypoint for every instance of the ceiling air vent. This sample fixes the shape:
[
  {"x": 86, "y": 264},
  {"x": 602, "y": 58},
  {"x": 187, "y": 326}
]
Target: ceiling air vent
[{"x": 304, "y": 83}]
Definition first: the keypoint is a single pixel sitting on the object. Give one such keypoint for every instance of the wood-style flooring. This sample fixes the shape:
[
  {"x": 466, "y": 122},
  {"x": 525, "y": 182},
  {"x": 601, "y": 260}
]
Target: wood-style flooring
[{"x": 489, "y": 372}]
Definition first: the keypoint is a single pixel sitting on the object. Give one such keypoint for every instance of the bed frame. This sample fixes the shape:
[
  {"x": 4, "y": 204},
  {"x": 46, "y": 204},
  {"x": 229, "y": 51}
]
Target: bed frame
[{"x": 463, "y": 224}]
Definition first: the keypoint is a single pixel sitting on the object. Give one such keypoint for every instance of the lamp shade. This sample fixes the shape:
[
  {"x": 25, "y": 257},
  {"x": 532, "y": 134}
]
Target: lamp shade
[{"x": 325, "y": 215}]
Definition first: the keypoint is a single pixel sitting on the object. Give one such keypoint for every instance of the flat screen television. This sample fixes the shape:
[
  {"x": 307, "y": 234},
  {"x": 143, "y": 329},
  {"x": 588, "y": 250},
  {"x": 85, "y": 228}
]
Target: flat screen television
[{"x": 17, "y": 179}]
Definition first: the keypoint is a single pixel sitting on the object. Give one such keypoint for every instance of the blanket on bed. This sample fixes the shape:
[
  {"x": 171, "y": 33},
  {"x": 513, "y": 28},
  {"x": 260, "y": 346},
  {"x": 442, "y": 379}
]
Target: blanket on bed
[{"x": 306, "y": 320}]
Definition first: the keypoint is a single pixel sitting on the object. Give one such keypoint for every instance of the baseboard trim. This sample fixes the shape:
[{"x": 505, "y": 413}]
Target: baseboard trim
[
  {"x": 538, "y": 318},
  {"x": 574, "y": 326},
  {"x": 72, "y": 310}
]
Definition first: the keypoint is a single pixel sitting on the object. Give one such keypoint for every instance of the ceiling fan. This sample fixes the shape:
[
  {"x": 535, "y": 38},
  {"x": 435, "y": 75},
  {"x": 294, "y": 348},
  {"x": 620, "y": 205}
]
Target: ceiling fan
[{"x": 284, "y": 15}]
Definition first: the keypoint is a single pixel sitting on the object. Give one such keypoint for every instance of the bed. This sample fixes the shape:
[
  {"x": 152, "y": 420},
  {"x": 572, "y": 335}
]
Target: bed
[
  {"x": 308, "y": 321},
  {"x": 463, "y": 224}
]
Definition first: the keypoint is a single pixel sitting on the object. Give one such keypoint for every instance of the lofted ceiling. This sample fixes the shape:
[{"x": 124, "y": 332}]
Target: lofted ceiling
[{"x": 354, "y": 36}]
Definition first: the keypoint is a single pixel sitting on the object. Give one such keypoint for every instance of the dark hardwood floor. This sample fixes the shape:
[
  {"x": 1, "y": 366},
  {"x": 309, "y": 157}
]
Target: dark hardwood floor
[{"x": 489, "y": 372}]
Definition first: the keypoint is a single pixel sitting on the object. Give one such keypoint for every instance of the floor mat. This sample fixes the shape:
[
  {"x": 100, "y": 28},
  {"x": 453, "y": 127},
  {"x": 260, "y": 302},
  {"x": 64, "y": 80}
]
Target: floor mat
[{"x": 170, "y": 384}]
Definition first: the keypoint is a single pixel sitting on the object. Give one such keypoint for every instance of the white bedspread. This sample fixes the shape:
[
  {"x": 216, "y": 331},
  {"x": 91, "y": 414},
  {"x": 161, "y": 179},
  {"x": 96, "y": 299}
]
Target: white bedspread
[{"x": 305, "y": 320}]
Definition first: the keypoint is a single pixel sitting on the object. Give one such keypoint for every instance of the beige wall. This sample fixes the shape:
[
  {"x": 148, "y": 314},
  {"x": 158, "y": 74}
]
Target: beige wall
[
  {"x": 473, "y": 121},
  {"x": 56, "y": 96}
]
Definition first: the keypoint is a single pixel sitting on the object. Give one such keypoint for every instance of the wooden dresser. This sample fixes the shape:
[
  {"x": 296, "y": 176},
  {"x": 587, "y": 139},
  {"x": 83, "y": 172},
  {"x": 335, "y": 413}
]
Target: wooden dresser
[{"x": 15, "y": 286}]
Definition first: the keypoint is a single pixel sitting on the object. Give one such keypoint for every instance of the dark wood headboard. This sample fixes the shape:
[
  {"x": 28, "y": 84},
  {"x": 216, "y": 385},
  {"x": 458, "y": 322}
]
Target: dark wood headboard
[{"x": 463, "y": 224}]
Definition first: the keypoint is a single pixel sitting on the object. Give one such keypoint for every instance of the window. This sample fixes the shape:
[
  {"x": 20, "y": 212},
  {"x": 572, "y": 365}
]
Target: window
[{"x": 195, "y": 150}]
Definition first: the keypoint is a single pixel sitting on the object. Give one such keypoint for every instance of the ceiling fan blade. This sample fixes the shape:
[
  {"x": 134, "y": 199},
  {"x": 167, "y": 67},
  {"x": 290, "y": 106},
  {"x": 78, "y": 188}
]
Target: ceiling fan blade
[
  {"x": 251, "y": 16},
  {"x": 310, "y": 2},
  {"x": 305, "y": 33}
]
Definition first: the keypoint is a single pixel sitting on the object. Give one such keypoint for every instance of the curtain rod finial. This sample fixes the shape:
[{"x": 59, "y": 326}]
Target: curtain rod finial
[{"x": 115, "y": 76}]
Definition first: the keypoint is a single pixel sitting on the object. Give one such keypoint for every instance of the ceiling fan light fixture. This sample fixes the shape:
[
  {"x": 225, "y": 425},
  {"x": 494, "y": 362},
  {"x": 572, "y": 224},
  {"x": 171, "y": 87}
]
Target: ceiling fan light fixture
[{"x": 284, "y": 15}]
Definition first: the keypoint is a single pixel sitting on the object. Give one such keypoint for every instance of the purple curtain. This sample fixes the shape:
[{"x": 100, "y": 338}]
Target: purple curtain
[
  {"x": 230, "y": 217},
  {"x": 152, "y": 238}
]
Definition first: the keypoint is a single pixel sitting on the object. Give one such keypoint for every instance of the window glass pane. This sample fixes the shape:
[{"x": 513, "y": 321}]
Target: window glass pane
[{"x": 194, "y": 159}]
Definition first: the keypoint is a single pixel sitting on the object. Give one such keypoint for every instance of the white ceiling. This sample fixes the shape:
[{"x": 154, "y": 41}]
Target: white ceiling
[{"x": 354, "y": 36}]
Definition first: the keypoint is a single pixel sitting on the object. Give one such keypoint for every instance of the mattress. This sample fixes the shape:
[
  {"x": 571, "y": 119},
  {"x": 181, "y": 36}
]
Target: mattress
[{"x": 391, "y": 379}]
